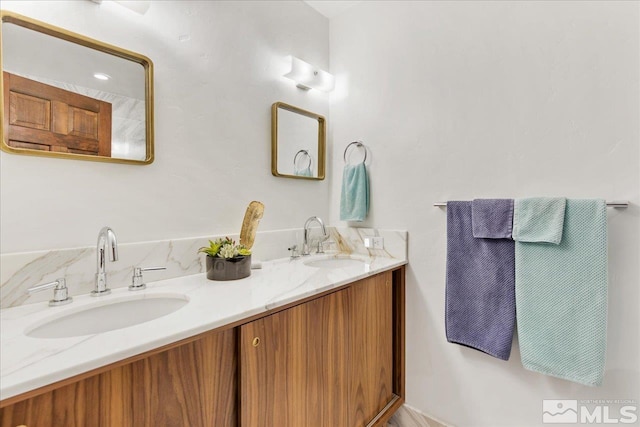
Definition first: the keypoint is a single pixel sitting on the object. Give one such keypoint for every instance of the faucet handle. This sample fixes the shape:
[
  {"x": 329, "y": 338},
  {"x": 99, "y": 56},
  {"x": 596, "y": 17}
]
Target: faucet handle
[
  {"x": 137, "y": 283},
  {"x": 60, "y": 292},
  {"x": 294, "y": 251}
]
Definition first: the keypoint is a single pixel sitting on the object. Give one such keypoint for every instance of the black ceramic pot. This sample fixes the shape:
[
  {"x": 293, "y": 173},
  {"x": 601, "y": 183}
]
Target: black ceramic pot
[{"x": 228, "y": 268}]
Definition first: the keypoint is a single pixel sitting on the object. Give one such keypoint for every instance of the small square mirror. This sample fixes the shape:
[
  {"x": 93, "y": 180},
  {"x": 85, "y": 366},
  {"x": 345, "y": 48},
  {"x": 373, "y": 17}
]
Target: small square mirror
[{"x": 298, "y": 142}]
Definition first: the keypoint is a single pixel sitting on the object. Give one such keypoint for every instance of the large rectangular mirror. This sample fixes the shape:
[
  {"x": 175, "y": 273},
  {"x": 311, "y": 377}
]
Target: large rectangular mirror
[
  {"x": 66, "y": 95},
  {"x": 297, "y": 142}
]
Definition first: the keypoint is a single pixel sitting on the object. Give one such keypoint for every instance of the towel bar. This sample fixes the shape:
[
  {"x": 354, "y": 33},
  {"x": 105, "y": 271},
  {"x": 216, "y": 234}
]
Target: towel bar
[{"x": 612, "y": 204}]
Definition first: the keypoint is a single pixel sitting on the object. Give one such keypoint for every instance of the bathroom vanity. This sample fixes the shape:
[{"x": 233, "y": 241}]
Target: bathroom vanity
[{"x": 326, "y": 348}]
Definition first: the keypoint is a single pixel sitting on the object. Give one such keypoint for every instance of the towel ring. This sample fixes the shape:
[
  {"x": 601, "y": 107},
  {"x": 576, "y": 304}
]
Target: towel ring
[
  {"x": 295, "y": 159},
  {"x": 358, "y": 144}
]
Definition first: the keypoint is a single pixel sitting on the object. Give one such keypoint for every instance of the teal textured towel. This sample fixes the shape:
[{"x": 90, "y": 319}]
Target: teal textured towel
[
  {"x": 303, "y": 172},
  {"x": 561, "y": 293},
  {"x": 354, "y": 200},
  {"x": 540, "y": 219}
]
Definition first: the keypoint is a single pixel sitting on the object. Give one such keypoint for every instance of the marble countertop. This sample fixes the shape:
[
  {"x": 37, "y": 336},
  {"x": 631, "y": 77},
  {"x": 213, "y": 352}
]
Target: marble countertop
[{"x": 28, "y": 363}]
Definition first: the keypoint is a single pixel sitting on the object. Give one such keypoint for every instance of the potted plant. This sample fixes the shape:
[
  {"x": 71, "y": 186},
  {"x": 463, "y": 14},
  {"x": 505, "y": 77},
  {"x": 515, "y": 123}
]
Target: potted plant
[{"x": 226, "y": 260}]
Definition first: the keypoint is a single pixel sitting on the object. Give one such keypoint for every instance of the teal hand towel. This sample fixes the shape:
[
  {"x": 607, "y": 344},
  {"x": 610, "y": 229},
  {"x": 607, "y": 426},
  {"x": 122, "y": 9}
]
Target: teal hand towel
[
  {"x": 354, "y": 200},
  {"x": 303, "y": 172},
  {"x": 561, "y": 293},
  {"x": 540, "y": 219}
]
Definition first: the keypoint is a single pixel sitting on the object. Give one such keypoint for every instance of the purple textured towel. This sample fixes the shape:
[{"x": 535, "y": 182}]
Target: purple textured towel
[
  {"x": 492, "y": 218},
  {"x": 480, "y": 294}
]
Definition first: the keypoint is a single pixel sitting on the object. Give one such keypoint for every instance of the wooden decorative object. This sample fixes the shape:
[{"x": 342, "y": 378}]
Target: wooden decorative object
[{"x": 252, "y": 218}]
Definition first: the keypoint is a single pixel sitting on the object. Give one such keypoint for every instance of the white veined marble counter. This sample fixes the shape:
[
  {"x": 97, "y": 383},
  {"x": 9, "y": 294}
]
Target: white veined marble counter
[{"x": 28, "y": 363}]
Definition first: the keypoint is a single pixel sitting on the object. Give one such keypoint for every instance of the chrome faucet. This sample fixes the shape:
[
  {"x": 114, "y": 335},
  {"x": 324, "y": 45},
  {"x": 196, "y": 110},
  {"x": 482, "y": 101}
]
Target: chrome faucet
[
  {"x": 60, "y": 292},
  {"x": 106, "y": 241},
  {"x": 305, "y": 246}
]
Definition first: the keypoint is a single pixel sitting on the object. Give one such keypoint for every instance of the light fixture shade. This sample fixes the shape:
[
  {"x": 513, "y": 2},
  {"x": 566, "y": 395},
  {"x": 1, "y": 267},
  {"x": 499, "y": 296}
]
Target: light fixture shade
[{"x": 308, "y": 77}]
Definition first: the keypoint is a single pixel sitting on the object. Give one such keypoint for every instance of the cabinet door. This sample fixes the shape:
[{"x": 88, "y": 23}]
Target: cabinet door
[
  {"x": 292, "y": 366},
  {"x": 66, "y": 406},
  {"x": 370, "y": 348},
  {"x": 43, "y": 117},
  {"x": 191, "y": 385},
  {"x": 328, "y": 362}
]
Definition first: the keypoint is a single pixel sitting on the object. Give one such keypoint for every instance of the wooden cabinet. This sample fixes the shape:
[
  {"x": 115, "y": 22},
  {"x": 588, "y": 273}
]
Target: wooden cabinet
[
  {"x": 370, "y": 358},
  {"x": 325, "y": 363},
  {"x": 191, "y": 385},
  {"x": 293, "y": 369},
  {"x": 336, "y": 360}
]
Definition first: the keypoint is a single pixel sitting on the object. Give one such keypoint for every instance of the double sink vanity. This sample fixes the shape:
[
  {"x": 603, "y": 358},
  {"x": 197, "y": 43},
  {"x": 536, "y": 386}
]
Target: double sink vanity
[
  {"x": 312, "y": 341},
  {"x": 304, "y": 341}
]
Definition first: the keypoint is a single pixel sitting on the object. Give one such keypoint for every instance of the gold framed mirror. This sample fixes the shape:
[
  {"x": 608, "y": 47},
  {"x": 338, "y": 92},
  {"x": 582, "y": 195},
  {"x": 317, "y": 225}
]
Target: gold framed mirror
[
  {"x": 298, "y": 142},
  {"x": 68, "y": 96}
]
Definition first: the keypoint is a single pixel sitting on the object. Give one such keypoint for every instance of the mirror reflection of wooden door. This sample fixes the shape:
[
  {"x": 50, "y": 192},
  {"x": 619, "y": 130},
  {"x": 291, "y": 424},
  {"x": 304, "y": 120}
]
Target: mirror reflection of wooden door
[{"x": 43, "y": 117}]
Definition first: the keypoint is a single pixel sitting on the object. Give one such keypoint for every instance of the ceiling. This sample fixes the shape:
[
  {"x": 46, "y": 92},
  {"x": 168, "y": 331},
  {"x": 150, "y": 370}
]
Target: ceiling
[{"x": 331, "y": 8}]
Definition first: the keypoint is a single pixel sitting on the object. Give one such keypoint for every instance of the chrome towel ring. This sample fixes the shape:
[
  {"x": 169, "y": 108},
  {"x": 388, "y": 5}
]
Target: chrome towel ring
[
  {"x": 295, "y": 159},
  {"x": 358, "y": 144}
]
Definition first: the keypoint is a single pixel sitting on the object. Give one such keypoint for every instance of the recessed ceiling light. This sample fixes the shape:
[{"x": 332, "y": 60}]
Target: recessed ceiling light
[{"x": 102, "y": 76}]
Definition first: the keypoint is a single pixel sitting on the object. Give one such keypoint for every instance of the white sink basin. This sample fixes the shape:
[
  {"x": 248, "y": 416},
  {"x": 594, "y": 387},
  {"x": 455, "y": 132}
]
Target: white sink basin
[
  {"x": 334, "y": 263},
  {"x": 107, "y": 316}
]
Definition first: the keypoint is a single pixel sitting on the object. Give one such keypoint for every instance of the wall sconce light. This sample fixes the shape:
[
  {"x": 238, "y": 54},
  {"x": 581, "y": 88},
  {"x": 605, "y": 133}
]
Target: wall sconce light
[{"x": 309, "y": 77}]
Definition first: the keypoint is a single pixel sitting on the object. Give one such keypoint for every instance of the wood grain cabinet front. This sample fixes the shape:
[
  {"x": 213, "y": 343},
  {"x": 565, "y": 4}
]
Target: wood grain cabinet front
[
  {"x": 192, "y": 385},
  {"x": 297, "y": 375},
  {"x": 336, "y": 360},
  {"x": 326, "y": 363}
]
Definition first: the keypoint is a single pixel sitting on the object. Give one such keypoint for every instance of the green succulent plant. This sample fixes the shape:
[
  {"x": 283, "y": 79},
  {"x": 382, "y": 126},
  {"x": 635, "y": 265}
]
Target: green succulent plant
[{"x": 224, "y": 248}]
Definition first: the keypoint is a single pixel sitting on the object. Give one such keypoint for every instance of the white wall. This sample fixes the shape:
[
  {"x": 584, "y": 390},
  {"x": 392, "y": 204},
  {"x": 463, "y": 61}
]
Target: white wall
[
  {"x": 455, "y": 100},
  {"x": 462, "y": 100},
  {"x": 213, "y": 95}
]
